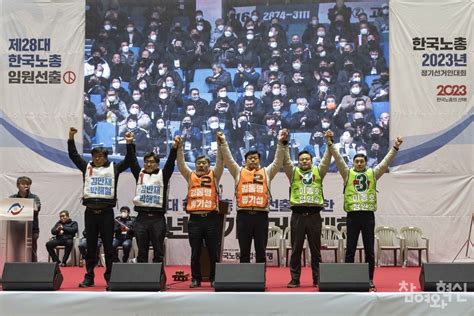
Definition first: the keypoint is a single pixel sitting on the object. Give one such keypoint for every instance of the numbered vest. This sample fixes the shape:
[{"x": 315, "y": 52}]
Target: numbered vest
[
  {"x": 252, "y": 189},
  {"x": 99, "y": 182},
  {"x": 306, "y": 187},
  {"x": 360, "y": 191},
  {"x": 202, "y": 193},
  {"x": 149, "y": 191}
]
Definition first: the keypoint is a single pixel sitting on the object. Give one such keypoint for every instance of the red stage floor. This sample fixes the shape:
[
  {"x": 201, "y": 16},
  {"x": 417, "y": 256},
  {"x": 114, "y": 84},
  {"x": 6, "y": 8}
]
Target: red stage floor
[{"x": 387, "y": 279}]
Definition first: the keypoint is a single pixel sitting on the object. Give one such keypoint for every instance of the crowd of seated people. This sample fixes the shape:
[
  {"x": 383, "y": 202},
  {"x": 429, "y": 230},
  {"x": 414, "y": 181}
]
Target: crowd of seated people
[{"x": 257, "y": 79}]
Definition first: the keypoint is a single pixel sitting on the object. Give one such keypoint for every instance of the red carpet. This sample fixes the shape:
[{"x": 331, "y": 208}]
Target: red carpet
[{"x": 387, "y": 279}]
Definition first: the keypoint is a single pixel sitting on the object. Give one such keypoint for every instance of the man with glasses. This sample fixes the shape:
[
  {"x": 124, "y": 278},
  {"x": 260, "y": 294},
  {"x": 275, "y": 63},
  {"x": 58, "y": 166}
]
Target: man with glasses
[
  {"x": 151, "y": 202},
  {"x": 100, "y": 177},
  {"x": 252, "y": 183},
  {"x": 202, "y": 205}
]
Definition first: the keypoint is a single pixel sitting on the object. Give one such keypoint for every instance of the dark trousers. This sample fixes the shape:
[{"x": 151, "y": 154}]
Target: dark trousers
[
  {"x": 302, "y": 225},
  {"x": 203, "y": 228},
  {"x": 52, "y": 244},
  {"x": 99, "y": 222},
  {"x": 252, "y": 225},
  {"x": 83, "y": 249},
  {"x": 150, "y": 228},
  {"x": 126, "y": 246},
  {"x": 356, "y": 222},
  {"x": 34, "y": 246}
]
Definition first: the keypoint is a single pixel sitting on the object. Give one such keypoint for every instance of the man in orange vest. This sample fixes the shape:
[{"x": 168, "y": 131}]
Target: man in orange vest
[
  {"x": 252, "y": 195},
  {"x": 202, "y": 205}
]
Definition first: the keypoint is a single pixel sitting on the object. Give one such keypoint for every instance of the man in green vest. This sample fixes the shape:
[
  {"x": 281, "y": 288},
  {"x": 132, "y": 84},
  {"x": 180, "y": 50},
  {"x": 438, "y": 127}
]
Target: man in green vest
[
  {"x": 306, "y": 202},
  {"x": 360, "y": 199}
]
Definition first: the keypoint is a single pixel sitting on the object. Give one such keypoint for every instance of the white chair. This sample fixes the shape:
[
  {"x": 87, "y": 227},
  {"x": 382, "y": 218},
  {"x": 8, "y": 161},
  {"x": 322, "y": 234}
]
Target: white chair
[
  {"x": 386, "y": 239},
  {"x": 287, "y": 245},
  {"x": 413, "y": 240},
  {"x": 274, "y": 242},
  {"x": 331, "y": 240},
  {"x": 359, "y": 247}
]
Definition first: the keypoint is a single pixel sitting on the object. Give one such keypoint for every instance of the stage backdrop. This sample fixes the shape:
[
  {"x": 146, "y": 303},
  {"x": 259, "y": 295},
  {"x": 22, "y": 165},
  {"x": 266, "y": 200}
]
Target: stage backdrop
[{"x": 430, "y": 184}]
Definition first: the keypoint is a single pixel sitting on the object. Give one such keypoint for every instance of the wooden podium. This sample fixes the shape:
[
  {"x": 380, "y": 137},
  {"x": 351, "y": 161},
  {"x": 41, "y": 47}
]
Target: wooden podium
[{"x": 224, "y": 206}]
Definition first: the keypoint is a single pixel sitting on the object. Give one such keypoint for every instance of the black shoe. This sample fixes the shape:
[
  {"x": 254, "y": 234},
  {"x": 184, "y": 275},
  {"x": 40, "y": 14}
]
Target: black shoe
[
  {"x": 86, "y": 283},
  {"x": 315, "y": 284},
  {"x": 293, "y": 284},
  {"x": 372, "y": 287},
  {"x": 195, "y": 284}
]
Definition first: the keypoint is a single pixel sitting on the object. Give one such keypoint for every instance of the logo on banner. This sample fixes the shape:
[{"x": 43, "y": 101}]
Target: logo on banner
[{"x": 15, "y": 209}]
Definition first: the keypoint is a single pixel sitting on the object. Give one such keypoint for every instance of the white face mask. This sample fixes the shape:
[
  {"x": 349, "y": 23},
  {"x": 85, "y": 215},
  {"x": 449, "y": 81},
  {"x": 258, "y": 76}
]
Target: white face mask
[
  {"x": 116, "y": 85},
  {"x": 276, "y": 108},
  {"x": 296, "y": 66},
  {"x": 301, "y": 108},
  {"x": 360, "y": 108},
  {"x": 325, "y": 125},
  {"x": 276, "y": 91},
  {"x": 129, "y": 29},
  {"x": 199, "y": 28},
  {"x": 271, "y": 34},
  {"x": 163, "y": 96},
  {"x": 364, "y": 31},
  {"x": 363, "y": 152},
  {"x": 142, "y": 86},
  {"x": 223, "y": 94},
  {"x": 323, "y": 88},
  {"x": 132, "y": 125},
  {"x": 355, "y": 91},
  {"x": 250, "y": 37},
  {"x": 198, "y": 17},
  {"x": 134, "y": 111},
  {"x": 273, "y": 68},
  {"x": 254, "y": 18},
  {"x": 125, "y": 49},
  {"x": 151, "y": 50},
  {"x": 161, "y": 71},
  {"x": 357, "y": 79},
  {"x": 160, "y": 125},
  {"x": 342, "y": 44},
  {"x": 321, "y": 33},
  {"x": 220, "y": 27},
  {"x": 385, "y": 11},
  {"x": 153, "y": 37},
  {"x": 214, "y": 125},
  {"x": 98, "y": 74},
  {"x": 322, "y": 54},
  {"x": 248, "y": 93},
  {"x": 191, "y": 112},
  {"x": 240, "y": 50},
  {"x": 195, "y": 97},
  {"x": 227, "y": 33},
  {"x": 107, "y": 27},
  {"x": 273, "y": 44},
  {"x": 111, "y": 98},
  {"x": 170, "y": 84},
  {"x": 136, "y": 97}
]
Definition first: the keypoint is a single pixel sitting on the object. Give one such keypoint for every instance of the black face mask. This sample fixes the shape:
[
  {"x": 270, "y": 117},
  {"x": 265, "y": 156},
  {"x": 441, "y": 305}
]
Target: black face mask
[
  {"x": 375, "y": 136},
  {"x": 186, "y": 124},
  {"x": 244, "y": 124},
  {"x": 349, "y": 67},
  {"x": 359, "y": 121}
]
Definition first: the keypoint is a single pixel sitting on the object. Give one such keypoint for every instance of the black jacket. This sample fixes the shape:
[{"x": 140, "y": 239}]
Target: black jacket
[{"x": 69, "y": 228}]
